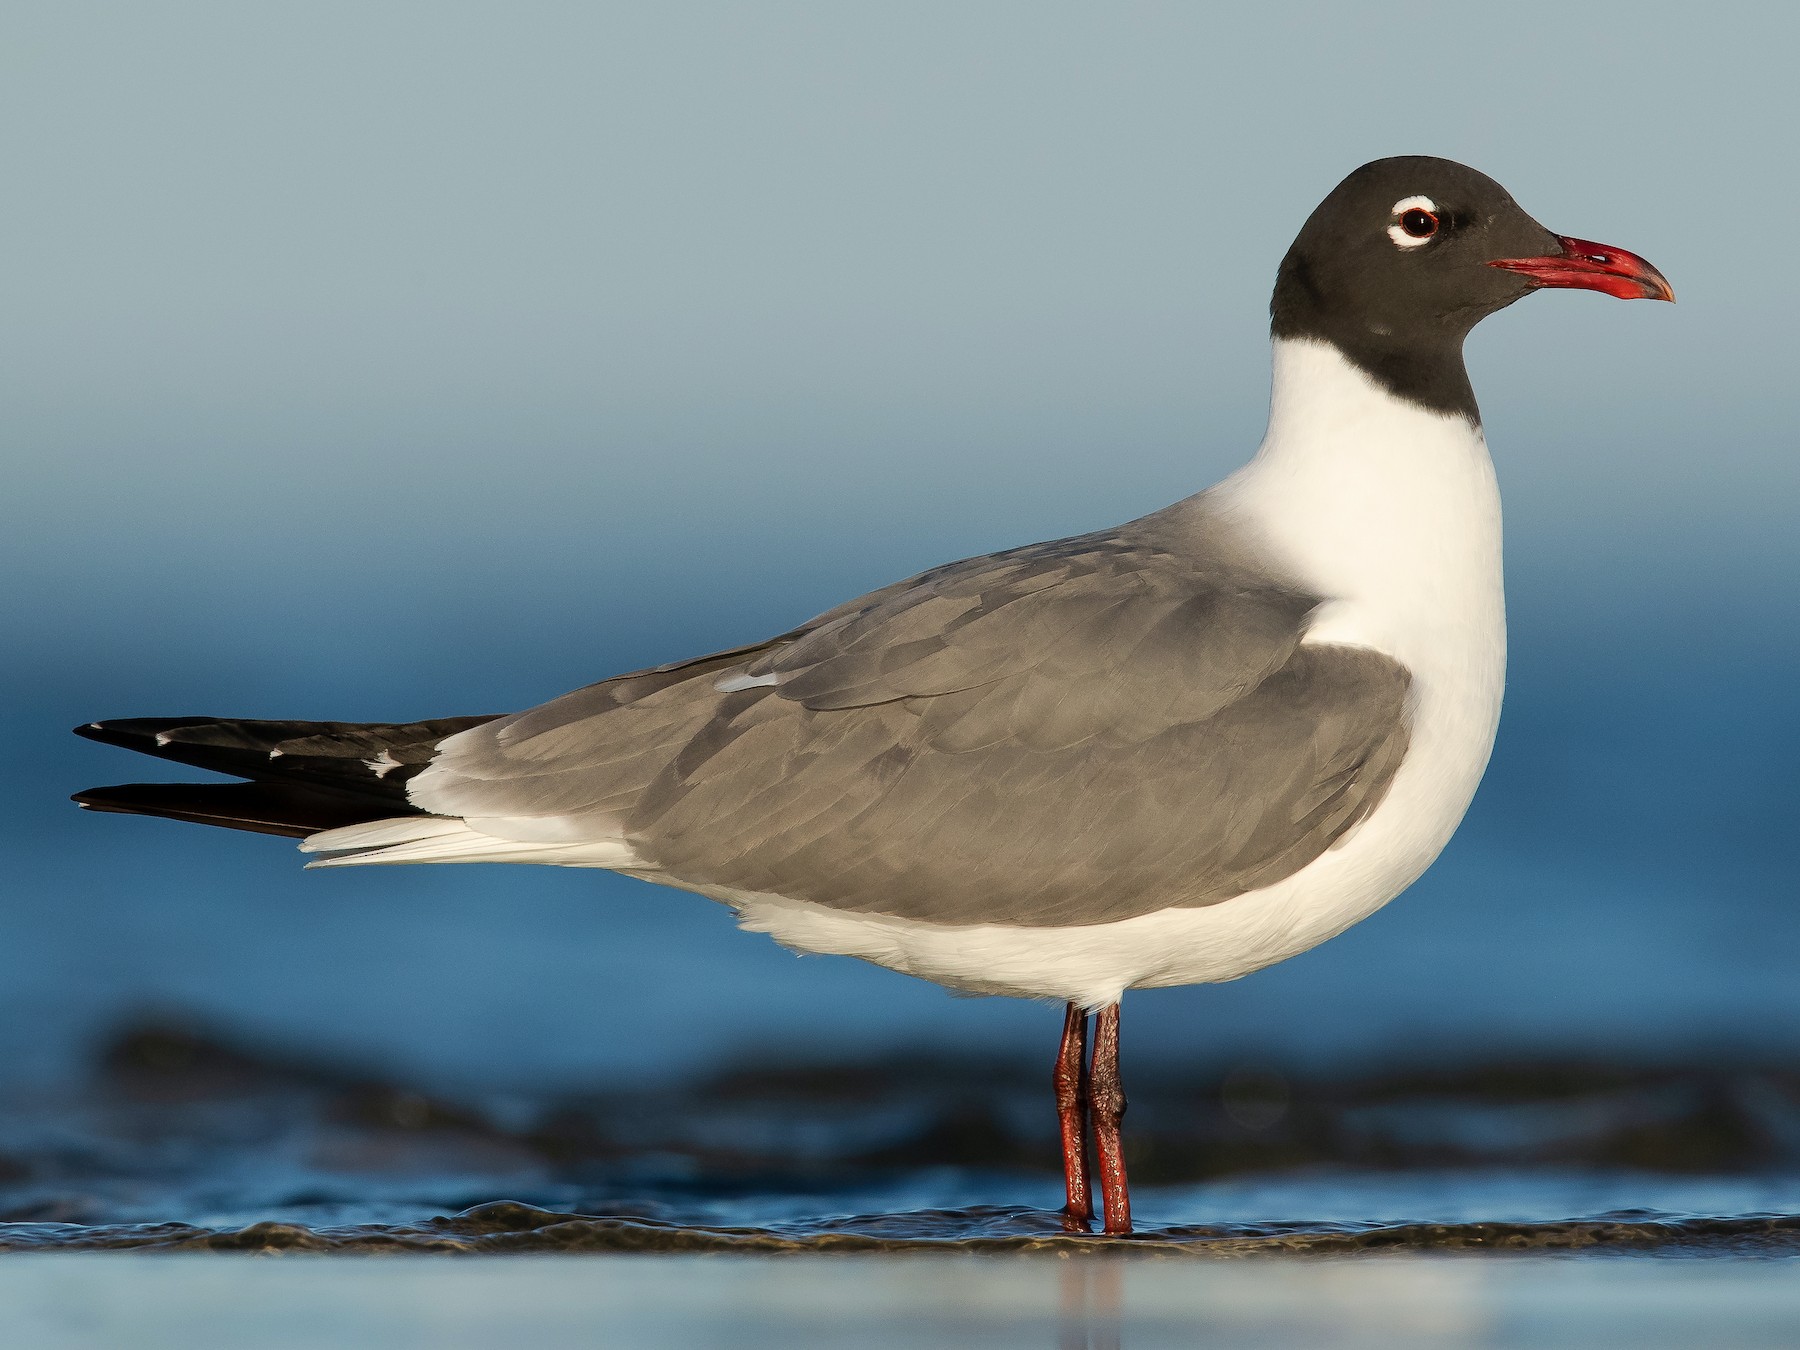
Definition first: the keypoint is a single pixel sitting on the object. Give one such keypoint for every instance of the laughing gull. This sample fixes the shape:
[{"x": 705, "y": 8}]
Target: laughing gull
[{"x": 1170, "y": 752}]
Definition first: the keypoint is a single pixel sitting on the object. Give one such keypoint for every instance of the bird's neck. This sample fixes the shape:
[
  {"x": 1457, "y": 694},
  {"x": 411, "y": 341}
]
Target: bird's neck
[
  {"x": 1369, "y": 499},
  {"x": 1421, "y": 363}
]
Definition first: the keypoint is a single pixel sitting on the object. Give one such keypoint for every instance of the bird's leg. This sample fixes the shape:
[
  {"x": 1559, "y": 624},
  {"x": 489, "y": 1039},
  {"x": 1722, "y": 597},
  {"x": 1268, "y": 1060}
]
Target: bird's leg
[
  {"x": 1071, "y": 1111},
  {"x": 1106, "y": 1104}
]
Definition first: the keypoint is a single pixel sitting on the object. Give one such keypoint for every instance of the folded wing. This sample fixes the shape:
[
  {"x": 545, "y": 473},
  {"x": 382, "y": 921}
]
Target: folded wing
[{"x": 1085, "y": 729}]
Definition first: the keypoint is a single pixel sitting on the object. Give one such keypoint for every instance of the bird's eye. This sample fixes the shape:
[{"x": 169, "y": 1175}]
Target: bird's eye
[
  {"x": 1419, "y": 224},
  {"x": 1415, "y": 221}
]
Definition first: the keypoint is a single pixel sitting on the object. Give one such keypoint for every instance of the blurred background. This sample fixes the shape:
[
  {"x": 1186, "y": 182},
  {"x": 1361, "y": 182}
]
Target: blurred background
[{"x": 385, "y": 360}]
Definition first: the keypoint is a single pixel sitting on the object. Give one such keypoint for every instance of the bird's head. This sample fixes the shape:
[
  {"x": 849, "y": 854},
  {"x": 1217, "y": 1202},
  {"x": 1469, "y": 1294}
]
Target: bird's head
[{"x": 1406, "y": 255}]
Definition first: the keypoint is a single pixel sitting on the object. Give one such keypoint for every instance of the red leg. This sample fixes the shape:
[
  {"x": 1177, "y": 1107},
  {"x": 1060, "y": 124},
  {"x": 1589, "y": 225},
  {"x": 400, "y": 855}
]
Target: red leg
[
  {"x": 1071, "y": 1111},
  {"x": 1106, "y": 1104}
]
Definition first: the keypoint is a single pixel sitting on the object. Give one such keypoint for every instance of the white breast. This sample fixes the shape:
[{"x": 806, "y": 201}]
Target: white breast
[{"x": 1393, "y": 513}]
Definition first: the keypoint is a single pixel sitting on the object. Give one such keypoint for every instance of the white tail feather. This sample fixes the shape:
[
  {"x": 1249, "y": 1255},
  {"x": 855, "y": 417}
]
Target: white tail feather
[
  {"x": 443, "y": 839},
  {"x": 381, "y": 833}
]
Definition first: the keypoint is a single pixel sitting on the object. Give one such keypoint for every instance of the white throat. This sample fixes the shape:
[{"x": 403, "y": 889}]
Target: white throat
[{"x": 1387, "y": 509}]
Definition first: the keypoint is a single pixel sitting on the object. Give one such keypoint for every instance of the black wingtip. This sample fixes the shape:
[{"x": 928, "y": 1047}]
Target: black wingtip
[
  {"x": 136, "y": 733},
  {"x": 116, "y": 732},
  {"x": 104, "y": 798},
  {"x": 258, "y": 808},
  {"x": 96, "y": 799}
]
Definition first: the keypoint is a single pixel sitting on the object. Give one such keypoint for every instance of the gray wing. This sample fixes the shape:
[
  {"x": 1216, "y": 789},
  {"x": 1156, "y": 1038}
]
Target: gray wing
[{"x": 1070, "y": 732}]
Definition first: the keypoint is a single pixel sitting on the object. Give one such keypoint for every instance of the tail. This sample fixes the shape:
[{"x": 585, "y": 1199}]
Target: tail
[{"x": 301, "y": 777}]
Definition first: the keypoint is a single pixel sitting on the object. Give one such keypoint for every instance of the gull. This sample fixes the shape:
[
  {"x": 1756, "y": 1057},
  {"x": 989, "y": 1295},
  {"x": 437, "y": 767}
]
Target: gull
[{"x": 1168, "y": 752}]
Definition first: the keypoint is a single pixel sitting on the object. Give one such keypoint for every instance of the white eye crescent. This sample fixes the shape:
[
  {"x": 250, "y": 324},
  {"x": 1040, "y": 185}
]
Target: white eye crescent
[{"x": 1415, "y": 222}]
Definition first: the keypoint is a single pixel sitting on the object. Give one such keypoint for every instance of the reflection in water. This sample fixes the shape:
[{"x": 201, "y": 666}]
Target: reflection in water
[
  {"x": 1091, "y": 1313},
  {"x": 68, "y": 1302}
]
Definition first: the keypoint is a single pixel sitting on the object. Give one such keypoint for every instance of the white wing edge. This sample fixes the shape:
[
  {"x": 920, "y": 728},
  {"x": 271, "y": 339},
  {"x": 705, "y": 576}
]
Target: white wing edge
[{"x": 445, "y": 839}]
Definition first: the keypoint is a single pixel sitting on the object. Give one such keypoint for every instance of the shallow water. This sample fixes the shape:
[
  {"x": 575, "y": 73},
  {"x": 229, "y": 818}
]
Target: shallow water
[
  {"x": 510, "y": 1227},
  {"x": 898, "y": 1203},
  {"x": 182, "y": 1141}
]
